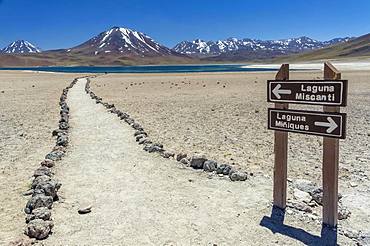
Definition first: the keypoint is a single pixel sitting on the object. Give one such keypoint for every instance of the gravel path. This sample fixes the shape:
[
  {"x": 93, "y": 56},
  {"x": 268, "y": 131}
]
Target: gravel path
[{"x": 139, "y": 198}]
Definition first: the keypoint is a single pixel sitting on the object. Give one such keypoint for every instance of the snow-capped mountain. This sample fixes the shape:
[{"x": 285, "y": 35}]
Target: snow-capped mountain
[
  {"x": 20, "y": 46},
  {"x": 291, "y": 45},
  {"x": 123, "y": 41}
]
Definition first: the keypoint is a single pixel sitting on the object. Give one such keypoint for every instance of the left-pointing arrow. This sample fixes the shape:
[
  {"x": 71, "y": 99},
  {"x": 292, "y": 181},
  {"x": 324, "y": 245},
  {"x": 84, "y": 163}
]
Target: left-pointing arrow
[
  {"x": 277, "y": 91},
  {"x": 330, "y": 124}
]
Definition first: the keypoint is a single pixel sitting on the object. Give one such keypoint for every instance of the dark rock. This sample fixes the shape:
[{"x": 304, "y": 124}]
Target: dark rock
[
  {"x": 59, "y": 148},
  {"x": 40, "y": 179},
  {"x": 185, "y": 161},
  {"x": 62, "y": 140},
  {"x": 85, "y": 210},
  {"x": 224, "y": 169},
  {"x": 210, "y": 166},
  {"x": 49, "y": 188},
  {"x": 55, "y": 155},
  {"x": 238, "y": 176},
  {"x": 42, "y": 171},
  {"x": 145, "y": 141},
  {"x": 63, "y": 126},
  {"x": 47, "y": 163},
  {"x": 39, "y": 229},
  {"x": 153, "y": 148},
  {"x": 197, "y": 161},
  {"x": 138, "y": 137},
  {"x": 129, "y": 121},
  {"x": 28, "y": 193},
  {"x": 38, "y": 201},
  {"x": 180, "y": 156},
  {"x": 39, "y": 213},
  {"x": 317, "y": 195},
  {"x": 137, "y": 126},
  {"x": 167, "y": 154},
  {"x": 57, "y": 131},
  {"x": 124, "y": 116},
  {"x": 140, "y": 133}
]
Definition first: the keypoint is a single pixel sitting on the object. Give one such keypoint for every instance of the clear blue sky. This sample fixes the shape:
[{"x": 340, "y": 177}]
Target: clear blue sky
[{"x": 53, "y": 24}]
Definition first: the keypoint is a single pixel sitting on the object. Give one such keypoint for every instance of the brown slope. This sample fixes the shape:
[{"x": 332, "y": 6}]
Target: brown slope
[{"x": 62, "y": 58}]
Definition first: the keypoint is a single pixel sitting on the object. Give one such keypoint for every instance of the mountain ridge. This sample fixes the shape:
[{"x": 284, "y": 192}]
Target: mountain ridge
[{"x": 202, "y": 48}]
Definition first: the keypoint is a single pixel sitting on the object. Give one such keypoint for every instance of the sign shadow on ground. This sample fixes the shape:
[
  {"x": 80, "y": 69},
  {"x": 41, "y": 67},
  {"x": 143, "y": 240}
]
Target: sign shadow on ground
[{"x": 275, "y": 223}]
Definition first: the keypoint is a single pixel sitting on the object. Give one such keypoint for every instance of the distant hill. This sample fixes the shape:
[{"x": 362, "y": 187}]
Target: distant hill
[{"x": 358, "y": 47}]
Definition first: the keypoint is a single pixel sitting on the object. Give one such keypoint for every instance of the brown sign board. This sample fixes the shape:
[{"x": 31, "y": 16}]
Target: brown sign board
[
  {"x": 308, "y": 122},
  {"x": 316, "y": 92}
]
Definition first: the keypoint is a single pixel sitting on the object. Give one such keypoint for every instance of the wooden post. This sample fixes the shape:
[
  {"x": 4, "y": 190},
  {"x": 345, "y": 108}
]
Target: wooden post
[
  {"x": 281, "y": 151},
  {"x": 330, "y": 162}
]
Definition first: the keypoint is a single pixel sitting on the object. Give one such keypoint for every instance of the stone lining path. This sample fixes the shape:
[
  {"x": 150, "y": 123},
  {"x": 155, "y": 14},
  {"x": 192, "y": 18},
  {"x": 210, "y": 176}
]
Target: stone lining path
[{"x": 139, "y": 198}]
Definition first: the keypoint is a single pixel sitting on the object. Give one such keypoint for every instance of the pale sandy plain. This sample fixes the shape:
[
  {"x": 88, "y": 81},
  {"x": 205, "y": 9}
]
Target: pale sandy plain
[
  {"x": 28, "y": 113},
  {"x": 220, "y": 114}
]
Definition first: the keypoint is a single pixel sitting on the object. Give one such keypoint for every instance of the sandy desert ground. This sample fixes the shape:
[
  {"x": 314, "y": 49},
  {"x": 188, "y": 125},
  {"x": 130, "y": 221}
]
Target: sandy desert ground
[
  {"x": 28, "y": 113},
  {"x": 222, "y": 115}
]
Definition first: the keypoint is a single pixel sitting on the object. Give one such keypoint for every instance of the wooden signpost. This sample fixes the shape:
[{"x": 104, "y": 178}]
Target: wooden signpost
[{"x": 331, "y": 124}]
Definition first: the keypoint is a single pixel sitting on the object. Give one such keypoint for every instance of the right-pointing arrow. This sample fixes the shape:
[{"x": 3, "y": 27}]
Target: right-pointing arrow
[
  {"x": 330, "y": 124},
  {"x": 277, "y": 91}
]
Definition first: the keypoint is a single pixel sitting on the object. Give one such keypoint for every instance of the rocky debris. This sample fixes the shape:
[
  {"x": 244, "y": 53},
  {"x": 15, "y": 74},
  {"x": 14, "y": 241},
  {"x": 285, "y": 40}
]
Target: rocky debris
[
  {"x": 307, "y": 195},
  {"x": 43, "y": 170},
  {"x": 137, "y": 126},
  {"x": 210, "y": 166},
  {"x": 185, "y": 161},
  {"x": 305, "y": 185},
  {"x": 44, "y": 186},
  {"x": 85, "y": 210},
  {"x": 144, "y": 141},
  {"x": 129, "y": 121},
  {"x": 39, "y": 229},
  {"x": 62, "y": 140},
  {"x": 197, "y": 161},
  {"x": 63, "y": 126},
  {"x": 238, "y": 176},
  {"x": 38, "y": 201},
  {"x": 59, "y": 148},
  {"x": 56, "y": 132},
  {"x": 167, "y": 154},
  {"x": 55, "y": 155},
  {"x": 180, "y": 156},
  {"x": 301, "y": 196},
  {"x": 317, "y": 195},
  {"x": 49, "y": 188},
  {"x": 40, "y": 179},
  {"x": 138, "y": 137},
  {"x": 153, "y": 148},
  {"x": 124, "y": 116},
  {"x": 42, "y": 213},
  {"x": 140, "y": 133},
  {"x": 343, "y": 212},
  {"x": 299, "y": 206}
]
